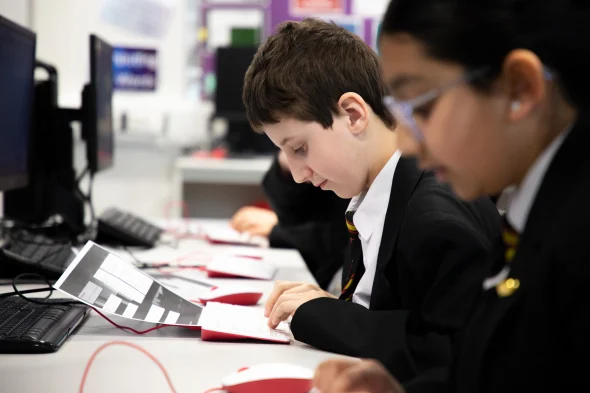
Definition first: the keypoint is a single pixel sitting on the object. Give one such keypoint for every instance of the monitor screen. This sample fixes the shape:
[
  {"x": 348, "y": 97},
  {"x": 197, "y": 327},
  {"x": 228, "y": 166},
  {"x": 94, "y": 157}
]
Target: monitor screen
[
  {"x": 231, "y": 66},
  {"x": 101, "y": 80},
  {"x": 17, "y": 67}
]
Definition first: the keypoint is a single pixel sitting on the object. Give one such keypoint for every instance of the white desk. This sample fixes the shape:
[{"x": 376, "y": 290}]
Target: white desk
[
  {"x": 193, "y": 365},
  {"x": 216, "y": 188}
]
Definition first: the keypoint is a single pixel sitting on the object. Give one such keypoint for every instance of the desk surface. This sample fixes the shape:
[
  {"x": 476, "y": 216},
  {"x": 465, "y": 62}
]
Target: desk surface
[
  {"x": 193, "y": 365},
  {"x": 223, "y": 171}
]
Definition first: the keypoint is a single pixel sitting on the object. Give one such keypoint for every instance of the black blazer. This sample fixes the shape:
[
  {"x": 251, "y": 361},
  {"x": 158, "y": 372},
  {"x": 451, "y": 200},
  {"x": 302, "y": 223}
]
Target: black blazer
[
  {"x": 432, "y": 259},
  {"x": 310, "y": 220},
  {"x": 538, "y": 339}
]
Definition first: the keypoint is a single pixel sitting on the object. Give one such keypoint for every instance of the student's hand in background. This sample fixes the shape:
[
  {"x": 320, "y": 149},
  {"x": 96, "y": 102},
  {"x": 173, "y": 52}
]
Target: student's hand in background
[
  {"x": 254, "y": 220},
  {"x": 286, "y": 297},
  {"x": 354, "y": 376}
]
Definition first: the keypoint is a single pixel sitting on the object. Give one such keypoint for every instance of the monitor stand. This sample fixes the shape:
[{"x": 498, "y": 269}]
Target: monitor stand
[{"x": 53, "y": 188}]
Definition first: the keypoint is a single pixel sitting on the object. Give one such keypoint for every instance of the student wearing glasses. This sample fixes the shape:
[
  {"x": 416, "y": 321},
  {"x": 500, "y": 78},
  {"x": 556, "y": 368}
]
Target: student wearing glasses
[{"x": 491, "y": 94}]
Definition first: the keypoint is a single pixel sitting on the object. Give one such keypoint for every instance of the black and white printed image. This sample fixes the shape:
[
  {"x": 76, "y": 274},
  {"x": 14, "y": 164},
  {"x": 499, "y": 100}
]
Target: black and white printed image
[{"x": 113, "y": 285}]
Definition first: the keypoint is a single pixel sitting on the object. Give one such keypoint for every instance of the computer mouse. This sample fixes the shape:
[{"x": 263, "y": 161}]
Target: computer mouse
[
  {"x": 236, "y": 295},
  {"x": 270, "y": 378}
]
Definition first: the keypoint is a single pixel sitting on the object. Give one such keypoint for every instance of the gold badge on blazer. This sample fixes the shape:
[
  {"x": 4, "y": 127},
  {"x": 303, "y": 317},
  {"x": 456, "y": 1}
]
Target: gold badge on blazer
[{"x": 507, "y": 287}]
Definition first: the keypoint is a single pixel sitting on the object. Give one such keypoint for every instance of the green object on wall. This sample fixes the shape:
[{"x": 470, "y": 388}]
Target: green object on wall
[{"x": 245, "y": 37}]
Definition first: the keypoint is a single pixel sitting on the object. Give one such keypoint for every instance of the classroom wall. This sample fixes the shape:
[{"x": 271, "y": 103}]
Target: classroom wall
[
  {"x": 63, "y": 27},
  {"x": 16, "y": 10},
  {"x": 371, "y": 8}
]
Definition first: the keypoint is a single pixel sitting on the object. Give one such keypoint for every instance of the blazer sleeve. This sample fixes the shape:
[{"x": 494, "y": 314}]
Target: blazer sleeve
[
  {"x": 414, "y": 340},
  {"x": 347, "y": 328},
  {"x": 454, "y": 259},
  {"x": 571, "y": 295}
]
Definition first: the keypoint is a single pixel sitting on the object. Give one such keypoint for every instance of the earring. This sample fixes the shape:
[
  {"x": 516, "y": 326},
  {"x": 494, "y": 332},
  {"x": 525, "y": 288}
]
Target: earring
[{"x": 515, "y": 106}]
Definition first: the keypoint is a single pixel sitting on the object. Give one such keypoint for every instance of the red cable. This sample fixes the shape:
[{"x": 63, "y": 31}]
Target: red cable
[
  {"x": 214, "y": 390},
  {"x": 128, "y": 344}
]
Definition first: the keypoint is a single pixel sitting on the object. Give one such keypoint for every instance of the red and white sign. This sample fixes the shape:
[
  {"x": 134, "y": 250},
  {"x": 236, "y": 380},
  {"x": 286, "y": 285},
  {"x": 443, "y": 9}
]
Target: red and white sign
[{"x": 310, "y": 7}]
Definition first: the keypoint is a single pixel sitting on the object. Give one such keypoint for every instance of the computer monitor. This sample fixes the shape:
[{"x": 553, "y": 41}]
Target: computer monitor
[
  {"x": 97, "y": 123},
  {"x": 231, "y": 66},
  {"x": 17, "y": 65}
]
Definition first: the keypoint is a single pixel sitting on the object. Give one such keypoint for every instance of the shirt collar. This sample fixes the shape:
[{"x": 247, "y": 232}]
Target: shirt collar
[
  {"x": 371, "y": 206},
  {"x": 523, "y": 196}
]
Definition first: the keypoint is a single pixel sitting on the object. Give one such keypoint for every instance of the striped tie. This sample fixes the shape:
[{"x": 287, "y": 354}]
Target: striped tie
[
  {"x": 357, "y": 268},
  {"x": 510, "y": 238}
]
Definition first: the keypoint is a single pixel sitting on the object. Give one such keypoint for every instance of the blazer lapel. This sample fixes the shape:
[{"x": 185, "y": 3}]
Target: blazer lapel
[
  {"x": 405, "y": 179},
  {"x": 568, "y": 165}
]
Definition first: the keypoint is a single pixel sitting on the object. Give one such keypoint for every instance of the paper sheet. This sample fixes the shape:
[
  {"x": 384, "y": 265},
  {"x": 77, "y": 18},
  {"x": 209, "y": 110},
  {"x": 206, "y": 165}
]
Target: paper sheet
[
  {"x": 243, "y": 267},
  {"x": 231, "y": 236},
  {"x": 187, "y": 287},
  {"x": 242, "y": 321},
  {"x": 105, "y": 281}
]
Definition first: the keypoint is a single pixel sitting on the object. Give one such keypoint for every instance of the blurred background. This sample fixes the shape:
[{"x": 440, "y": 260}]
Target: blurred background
[{"x": 182, "y": 144}]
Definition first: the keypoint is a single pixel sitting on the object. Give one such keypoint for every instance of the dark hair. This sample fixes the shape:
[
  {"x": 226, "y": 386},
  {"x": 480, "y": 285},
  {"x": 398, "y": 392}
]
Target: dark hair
[
  {"x": 480, "y": 33},
  {"x": 303, "y": 70}
]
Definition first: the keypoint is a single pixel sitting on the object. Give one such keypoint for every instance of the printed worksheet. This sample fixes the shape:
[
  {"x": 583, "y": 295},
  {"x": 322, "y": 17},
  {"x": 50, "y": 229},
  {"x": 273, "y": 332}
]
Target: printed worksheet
[
  {"x": 186, "y": 286},
  {"x": 103, "y": 280}
]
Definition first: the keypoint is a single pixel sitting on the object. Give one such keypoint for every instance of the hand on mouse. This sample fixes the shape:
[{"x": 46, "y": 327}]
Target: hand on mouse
[
  {"x": 286, "y": 297},
  {"x": 254, "y": 220},
  {"x": 354, "y": 376}
]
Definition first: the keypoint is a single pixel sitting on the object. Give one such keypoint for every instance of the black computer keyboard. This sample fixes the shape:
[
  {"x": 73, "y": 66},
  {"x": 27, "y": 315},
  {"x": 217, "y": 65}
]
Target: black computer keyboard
[
  {"x": 27, "y": 327},
  {"x": 123, "y": 228},
  {"x": 29, "y": 253}
]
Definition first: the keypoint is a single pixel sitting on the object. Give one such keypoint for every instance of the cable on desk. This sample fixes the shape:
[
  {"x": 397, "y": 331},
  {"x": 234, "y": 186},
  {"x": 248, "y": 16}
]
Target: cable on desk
[
  {"x": 50, "y": 288},
  {"x": 219, "y": 389},
  {"x": 132, "y": 255},
  {"x": 130, "y": 345},
  {"x": 171, "y": 204}
]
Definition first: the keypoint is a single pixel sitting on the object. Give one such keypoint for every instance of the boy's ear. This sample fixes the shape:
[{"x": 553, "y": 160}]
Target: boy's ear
[{"x": 356, "y": 111}]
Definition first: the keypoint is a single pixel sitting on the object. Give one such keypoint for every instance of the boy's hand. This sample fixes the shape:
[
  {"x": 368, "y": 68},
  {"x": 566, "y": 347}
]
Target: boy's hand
[
  {"x": 254, "y": 220},
  {"x": 286, "y": 297},
  {"x": 354, "y": 376}
]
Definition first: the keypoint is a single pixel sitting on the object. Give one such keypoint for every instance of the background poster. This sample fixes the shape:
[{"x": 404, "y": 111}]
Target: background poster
[
  {"x": 134, "y": 69},
  {"x": 310, "y": 7}
]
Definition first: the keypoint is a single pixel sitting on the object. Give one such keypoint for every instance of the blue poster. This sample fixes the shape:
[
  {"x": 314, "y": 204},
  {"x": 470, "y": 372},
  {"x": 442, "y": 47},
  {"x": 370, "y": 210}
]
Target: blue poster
[{"x": 134, "y": 69}]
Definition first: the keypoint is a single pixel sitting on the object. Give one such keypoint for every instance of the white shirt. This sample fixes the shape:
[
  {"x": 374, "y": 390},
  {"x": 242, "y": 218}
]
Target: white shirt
[
  {"x": 371, "y": 208},
  {"x": 523, "y": 196}
]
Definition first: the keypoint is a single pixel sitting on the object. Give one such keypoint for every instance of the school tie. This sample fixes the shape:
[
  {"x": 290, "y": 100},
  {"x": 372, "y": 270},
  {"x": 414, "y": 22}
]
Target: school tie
[
  {"x": 510, "y": 239},
  {"x": 357, "y": 267}
]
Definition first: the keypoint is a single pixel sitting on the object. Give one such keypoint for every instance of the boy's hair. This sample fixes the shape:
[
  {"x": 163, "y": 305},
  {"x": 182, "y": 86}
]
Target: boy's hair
[{"x": 302, "y": 71}]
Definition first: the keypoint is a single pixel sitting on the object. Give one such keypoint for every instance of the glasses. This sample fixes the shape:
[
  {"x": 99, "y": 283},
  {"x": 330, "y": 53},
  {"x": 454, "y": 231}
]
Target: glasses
[{"x": 403, "y": 111}]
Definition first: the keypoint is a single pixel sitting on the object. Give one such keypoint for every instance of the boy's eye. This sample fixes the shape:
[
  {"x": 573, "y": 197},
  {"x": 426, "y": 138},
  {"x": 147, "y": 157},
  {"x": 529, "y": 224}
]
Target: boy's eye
[{"x": 300, "y": 150}]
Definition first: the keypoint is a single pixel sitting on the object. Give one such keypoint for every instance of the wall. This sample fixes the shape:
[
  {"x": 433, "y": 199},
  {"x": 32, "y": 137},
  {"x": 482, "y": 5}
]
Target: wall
[
  {"x": 63, "y": 27},
  {"x": 371, "y": 8},
  {"x": 16, "y": 10}
]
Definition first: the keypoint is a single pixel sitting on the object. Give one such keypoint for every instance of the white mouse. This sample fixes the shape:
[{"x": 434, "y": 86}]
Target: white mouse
[
  {"x": 236, "y": 295},
  {"x": 270, "y": 378}
]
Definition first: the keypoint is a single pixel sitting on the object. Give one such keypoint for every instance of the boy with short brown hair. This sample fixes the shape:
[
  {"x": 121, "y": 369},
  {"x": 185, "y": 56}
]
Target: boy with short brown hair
[{"x": 417, "y": 254}]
